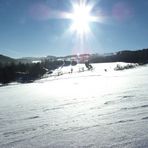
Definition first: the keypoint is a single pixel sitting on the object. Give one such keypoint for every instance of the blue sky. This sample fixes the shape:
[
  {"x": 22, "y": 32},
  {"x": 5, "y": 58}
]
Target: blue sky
[{"x": 34, "y": 28}]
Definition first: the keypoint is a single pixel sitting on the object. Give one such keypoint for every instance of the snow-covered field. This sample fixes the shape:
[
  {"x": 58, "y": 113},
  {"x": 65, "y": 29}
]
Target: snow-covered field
[{"x": 83, "y": 109}]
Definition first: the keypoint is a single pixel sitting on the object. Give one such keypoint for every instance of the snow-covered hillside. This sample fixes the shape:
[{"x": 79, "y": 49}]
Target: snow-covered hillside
[{"x": 81, "y": 109}]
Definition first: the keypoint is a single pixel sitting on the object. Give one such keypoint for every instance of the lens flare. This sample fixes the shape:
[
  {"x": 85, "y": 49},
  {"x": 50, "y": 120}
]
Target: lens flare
[{"x": 81, "y": 18}]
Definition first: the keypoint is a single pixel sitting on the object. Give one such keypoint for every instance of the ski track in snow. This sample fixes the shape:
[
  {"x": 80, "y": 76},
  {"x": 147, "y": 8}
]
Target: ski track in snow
[{"x": 89, "y": 109}]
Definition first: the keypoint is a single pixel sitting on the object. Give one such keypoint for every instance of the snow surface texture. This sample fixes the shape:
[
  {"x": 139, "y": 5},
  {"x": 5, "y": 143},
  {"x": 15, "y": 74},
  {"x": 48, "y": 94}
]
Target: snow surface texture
[{"x": 95, "y": 109}]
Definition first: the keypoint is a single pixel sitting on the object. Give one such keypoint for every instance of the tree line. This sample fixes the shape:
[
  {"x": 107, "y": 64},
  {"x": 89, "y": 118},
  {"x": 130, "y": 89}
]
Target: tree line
[
  {"x": 27, "y": 72},
  {"x": 139, "y": 56}
]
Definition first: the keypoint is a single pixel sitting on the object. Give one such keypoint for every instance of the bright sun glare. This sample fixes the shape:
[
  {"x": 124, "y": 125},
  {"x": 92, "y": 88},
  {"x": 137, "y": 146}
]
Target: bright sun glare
[{"x": 81, "y": 18}]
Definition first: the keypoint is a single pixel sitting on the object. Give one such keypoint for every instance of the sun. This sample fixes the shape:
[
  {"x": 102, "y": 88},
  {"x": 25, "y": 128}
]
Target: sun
[{"x": 81, "y": 18}]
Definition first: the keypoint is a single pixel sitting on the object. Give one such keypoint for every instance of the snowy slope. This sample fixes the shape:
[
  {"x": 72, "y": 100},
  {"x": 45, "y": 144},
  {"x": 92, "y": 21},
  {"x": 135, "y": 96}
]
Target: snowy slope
[{"x": 82, "y": 109}]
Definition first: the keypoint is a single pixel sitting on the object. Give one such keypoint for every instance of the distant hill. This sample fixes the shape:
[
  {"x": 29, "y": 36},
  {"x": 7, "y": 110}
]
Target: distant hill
[
  {"x": 35, "y": 59},
  {"x": 138, "y": 56},
  {"x": 6, "y": 59}
]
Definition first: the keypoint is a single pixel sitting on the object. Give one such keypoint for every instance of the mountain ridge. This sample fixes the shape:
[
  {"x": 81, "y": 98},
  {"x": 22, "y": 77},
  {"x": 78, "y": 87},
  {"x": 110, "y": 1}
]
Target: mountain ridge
[{"x": 135, "y": 56}]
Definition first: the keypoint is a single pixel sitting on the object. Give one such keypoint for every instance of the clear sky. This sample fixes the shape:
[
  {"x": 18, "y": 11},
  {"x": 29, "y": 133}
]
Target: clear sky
[{"x": 39, "y": 28}]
